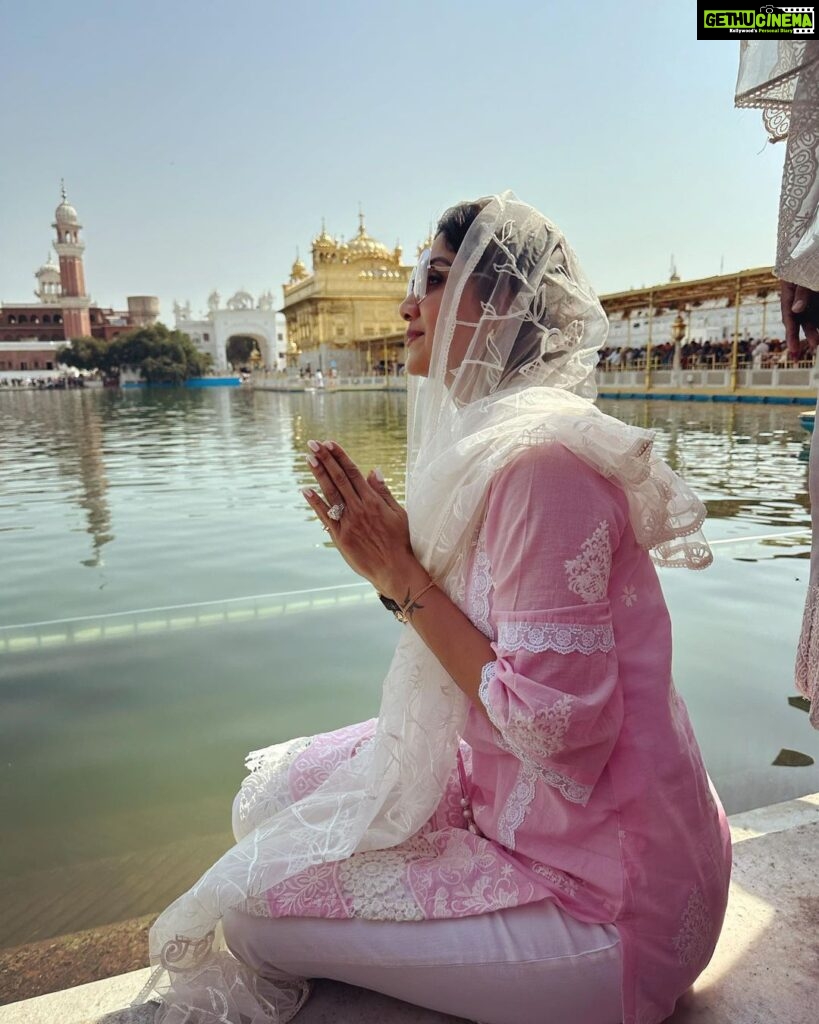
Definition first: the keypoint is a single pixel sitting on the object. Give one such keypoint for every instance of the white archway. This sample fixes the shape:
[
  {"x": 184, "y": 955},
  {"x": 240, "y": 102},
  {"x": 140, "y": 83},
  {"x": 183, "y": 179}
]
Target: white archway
[
  {"x": 263, "y": 325},
  {"x": 257, "y": 324},
  {"x": 262, "y": 344},
  {"x": 243, "y": 315}
]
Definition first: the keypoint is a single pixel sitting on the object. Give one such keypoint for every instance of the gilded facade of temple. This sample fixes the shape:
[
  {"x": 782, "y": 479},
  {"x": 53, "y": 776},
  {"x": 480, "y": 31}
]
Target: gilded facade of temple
[{"x": 342, "y": 315}]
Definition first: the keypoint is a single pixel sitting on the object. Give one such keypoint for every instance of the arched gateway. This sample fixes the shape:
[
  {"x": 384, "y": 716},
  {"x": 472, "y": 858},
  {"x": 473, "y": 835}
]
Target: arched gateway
[{"x": 241, "y": 315}]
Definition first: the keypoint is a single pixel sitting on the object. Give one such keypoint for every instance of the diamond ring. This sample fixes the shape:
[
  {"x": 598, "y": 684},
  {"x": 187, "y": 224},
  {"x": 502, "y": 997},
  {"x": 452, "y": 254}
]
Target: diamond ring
[{"x": 336, "y": 511}]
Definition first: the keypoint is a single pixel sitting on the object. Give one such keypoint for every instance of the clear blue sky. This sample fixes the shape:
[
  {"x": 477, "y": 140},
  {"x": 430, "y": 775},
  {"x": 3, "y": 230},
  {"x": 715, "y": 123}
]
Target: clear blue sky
[{"x": 202, "y": 141}]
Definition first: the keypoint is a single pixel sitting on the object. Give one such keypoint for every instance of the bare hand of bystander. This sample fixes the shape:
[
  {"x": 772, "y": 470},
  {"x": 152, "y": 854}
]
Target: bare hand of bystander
[{"x": 800, "y": 312}]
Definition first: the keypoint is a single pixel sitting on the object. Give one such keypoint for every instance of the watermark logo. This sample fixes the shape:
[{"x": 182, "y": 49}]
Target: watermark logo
[{"x": 757, "y": 21}]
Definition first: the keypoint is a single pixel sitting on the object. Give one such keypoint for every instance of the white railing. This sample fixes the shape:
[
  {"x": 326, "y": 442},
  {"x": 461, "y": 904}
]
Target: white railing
[{"x": 800, "y": 375}]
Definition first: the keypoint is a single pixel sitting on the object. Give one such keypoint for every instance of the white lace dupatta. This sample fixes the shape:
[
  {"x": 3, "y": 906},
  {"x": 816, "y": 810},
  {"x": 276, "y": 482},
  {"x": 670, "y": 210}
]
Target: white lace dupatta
[
  {"x": 526, "y": 377},
  {"x": 782, "y": 77}
]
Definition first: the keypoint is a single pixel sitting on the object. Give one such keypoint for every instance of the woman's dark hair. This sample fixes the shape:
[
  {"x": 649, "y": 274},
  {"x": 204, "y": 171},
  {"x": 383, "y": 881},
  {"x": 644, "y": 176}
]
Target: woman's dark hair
[
  {"x": 454, "y": 225},
  {"x": 457, "y": 220}
]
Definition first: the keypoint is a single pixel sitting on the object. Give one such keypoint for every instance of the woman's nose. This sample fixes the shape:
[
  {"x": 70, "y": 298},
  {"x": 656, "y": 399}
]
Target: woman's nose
[{"x": 408, "y": 307}]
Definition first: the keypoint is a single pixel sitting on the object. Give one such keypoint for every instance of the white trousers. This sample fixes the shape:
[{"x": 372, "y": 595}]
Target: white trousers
[{"x": 526, "y": 965}]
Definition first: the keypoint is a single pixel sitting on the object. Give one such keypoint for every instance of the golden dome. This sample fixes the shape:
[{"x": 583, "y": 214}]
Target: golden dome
[
  {"x": 323, "y": 240},
  {"x": 365, "y": 247},
  {"x": 298, "y": 271}
]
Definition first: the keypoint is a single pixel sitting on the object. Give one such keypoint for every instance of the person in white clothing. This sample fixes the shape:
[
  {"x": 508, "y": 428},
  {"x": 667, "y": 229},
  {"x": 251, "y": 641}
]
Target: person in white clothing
[
  {"x": 760, "y": 351},
  {"x": 782, "y": 77}
]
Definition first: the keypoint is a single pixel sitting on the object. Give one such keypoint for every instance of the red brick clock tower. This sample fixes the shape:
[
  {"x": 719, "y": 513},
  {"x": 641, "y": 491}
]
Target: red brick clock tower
[{"x": 74, "y": 301}]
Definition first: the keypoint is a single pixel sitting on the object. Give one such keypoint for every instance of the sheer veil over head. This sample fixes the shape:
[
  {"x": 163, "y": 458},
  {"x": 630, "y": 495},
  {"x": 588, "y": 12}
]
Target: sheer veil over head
[
  {"x": 512, "y": 366},
  {"x": 514, "y": 354}
]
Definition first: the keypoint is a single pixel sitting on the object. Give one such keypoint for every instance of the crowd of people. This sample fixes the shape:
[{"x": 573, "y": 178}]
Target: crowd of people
[
  {"x": 42, "y": 383},
  {"x": 752, "y": 353}
]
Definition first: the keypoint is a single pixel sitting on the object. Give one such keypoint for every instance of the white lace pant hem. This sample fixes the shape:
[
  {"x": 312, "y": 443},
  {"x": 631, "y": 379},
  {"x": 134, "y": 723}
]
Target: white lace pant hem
[{"x": 508, "y": 967}]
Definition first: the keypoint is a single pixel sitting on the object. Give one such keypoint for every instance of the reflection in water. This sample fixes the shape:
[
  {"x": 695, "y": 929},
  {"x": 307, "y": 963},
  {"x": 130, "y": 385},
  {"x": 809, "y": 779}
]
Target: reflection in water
[
  {"x": 69, "y": 430},
  {"x": 743, "y": 460},
  {"x": 373, "y": 433},
  {"x": 222, "y": 620},
  {"x": 90, "y": 469}
]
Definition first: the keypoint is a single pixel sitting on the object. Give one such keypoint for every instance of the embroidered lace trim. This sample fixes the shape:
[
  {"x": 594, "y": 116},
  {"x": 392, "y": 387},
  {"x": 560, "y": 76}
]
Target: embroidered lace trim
[
  {"x": 588, "y": 573},
  {"x": 480, "y": 586},
  {"x": 570, "y": 790},
  {"x": 559, "y": 879},
  {"x": 526, "y": 738},
  {"x": 797, "y": 256},
  {"x": 692, "y": 940},
  {"x": 323, "y": 755},
  {"x": 469, "y": 877},
  {"x": 266, "y": 790},
  {"x": 563, "y": 638},
  {"x": 311, "y": 893},
  {"x": 516, "y": 806},
  {"x": 540, "y": 735},
  {"x": 807, "y": 653},
  {"x": 487, "y": 675},
  {"x": 375, "y": 886}
]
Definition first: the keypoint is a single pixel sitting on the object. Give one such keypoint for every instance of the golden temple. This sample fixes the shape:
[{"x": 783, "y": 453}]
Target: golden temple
[{"x": 342, "y": 314}]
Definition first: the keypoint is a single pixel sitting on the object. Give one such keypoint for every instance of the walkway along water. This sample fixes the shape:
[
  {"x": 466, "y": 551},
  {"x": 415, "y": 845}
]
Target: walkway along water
[{"x": 792, "y": 385}]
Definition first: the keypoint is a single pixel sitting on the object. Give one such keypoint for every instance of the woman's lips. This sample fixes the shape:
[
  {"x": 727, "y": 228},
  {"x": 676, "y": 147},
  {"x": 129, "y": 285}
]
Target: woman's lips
[{"x": 412, "y": 335}]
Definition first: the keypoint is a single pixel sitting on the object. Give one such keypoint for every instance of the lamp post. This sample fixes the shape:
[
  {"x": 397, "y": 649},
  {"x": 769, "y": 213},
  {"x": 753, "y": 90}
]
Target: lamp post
[
  {"x": 647, "y": 379},
  {"x": 735, "y": 344},
  {"x": 677, "y": 335}
]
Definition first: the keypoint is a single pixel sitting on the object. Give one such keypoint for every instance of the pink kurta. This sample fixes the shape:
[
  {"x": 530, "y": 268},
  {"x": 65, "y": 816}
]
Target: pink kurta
[{"x": 580, "y": 780}]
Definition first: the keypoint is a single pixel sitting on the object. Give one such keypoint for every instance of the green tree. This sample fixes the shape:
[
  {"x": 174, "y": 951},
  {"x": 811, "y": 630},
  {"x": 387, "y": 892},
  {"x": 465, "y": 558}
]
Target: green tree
[
  {"x": 84, "y": 354},
  {"x": 239, "y": 350},
  {"x": 162, "y": 356}
]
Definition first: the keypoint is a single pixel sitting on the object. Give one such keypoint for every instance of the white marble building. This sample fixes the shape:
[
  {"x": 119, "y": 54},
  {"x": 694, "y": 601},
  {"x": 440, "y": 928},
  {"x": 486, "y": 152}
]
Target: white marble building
[{"x": 241, "y": 315}]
